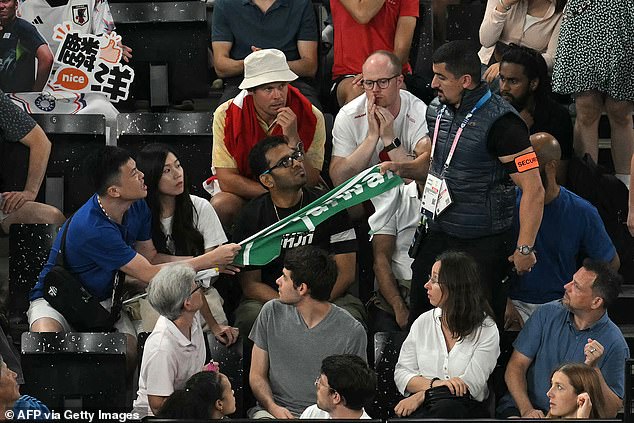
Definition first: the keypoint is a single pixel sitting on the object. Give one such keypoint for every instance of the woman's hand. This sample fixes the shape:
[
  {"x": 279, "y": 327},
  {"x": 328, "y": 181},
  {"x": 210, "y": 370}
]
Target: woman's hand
[
  {"x": 584, "y": 406},
  {"x": 455, "y": 385},
  {"x": 410, "y": 404},
  {"x": 226, "y": 335},
  {"x": 492, "y": 72},
  {"x": 229, "y": 269},
  {"x": 224, "y": 254}
]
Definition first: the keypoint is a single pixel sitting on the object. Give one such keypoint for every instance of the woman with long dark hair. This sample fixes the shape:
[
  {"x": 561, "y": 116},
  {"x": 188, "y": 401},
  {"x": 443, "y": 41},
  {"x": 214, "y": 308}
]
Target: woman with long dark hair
[
  {"x": 575, "y": 393},
  {"x": 183, "y": 224},
  {"x": 450, "y": 351}
]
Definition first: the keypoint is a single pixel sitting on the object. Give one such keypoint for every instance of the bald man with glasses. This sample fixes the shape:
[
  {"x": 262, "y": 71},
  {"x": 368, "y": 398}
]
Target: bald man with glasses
[{"x": 385, "y": 123}]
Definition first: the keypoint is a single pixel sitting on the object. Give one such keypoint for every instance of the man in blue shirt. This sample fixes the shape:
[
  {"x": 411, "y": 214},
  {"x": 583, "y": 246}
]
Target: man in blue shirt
[
  {"x": 112, "y": 232},
  {"x": 571, "y": 228},
  {"x": 576, "y": 329},
  {"x": 16, "y": 406},
  {"x": 241, "y": 27}
]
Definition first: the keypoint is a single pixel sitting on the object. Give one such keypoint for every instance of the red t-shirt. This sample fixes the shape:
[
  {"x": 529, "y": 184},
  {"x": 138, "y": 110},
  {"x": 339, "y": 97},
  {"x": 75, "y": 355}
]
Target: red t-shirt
[{"x": 354, "y": 42}]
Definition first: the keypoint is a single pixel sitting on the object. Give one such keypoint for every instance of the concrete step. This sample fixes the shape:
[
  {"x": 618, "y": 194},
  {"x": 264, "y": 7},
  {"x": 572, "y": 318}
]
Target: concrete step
[
  {"x": 621, "y": 312},
  {"x": 628, "y": 334}
]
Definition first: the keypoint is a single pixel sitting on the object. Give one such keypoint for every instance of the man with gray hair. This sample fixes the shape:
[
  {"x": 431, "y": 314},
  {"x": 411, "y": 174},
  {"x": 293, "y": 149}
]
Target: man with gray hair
[{"x": 175, "y": 349}]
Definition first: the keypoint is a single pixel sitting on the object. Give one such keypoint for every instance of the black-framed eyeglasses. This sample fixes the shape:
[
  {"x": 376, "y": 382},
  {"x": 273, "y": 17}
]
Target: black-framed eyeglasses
[
  {"x": 383, "y": 83},
  {"x": 318, "y": 383},
  {"x": 199, "y": 285},
  {"x": 298, "y": 155}
]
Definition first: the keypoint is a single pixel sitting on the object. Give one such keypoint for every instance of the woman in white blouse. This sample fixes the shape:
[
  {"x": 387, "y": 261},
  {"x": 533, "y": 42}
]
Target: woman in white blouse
[{"x": 455, "y": 345}]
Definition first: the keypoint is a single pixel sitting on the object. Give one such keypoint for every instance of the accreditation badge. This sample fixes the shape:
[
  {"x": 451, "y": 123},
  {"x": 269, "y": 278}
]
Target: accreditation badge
[
  {"x": 431, "y": 192},
  {"x": 444, "y": 198}
]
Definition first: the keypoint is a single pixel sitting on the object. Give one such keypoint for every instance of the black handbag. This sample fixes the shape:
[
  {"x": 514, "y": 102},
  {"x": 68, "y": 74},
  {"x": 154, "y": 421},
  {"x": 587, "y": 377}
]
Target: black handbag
[
  {"x": 433, "y": 396},
  {"x": 442, "y": 392},
  {"x": 66, "y": 294}
]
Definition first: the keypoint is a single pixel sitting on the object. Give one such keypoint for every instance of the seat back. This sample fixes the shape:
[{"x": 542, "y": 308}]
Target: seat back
[
  {"x": 73, "y": 137},
  {"x": 229, "y": 360},
  {"x": 78, "y": 371},
  {"x": 387, "y": 346},
  {"x": 628, "y": 399},
  {"x": 463, "y": 21},
  {"x": 169, "y": 41},
  {"x": 29, "y": 247}
]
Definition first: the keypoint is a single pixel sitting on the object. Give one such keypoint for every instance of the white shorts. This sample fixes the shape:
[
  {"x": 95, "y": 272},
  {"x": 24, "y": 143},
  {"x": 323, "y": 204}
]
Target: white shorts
[
  {"x": 41, "y": 308},
  {"x": 257, "y": 413}
]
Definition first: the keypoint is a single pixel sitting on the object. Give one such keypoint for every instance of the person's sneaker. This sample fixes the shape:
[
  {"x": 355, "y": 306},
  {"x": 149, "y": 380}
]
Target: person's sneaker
[
  {"x": 186, "y": 105},
  {"x": 217, "y": 84}
]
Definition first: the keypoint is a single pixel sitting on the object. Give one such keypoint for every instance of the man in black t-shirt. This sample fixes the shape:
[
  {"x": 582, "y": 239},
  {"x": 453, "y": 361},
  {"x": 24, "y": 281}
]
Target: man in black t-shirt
[
  {"x": 20, "y": 44},
  {"x": 524, "y": 83},
  {"x": 281, "y": 171},
  {"x": 478, "y": 150}
]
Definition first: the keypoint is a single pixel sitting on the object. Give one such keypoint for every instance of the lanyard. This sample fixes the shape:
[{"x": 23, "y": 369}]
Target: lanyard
[{"x": 466, "y": 119}]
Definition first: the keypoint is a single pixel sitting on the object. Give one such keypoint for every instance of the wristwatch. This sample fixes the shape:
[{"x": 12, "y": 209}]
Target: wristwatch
[
  {"x": 395, "y": 144},
  {"x": 525, "y": 249}
]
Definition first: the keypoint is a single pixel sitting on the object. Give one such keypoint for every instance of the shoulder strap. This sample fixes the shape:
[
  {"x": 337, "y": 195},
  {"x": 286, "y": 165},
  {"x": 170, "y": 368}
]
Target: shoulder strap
[{"x": 62, "y": 248}]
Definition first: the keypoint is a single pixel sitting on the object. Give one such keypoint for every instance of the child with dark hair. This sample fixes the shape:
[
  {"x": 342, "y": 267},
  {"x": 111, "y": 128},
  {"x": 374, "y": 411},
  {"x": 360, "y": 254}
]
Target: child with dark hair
[{"x": 207, "y": 395}]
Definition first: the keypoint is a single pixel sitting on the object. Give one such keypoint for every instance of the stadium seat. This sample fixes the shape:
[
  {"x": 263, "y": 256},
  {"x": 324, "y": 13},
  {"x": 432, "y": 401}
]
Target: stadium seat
[
  {"x": 78, "y": 371},
  {"x": 29, "y": 247}
]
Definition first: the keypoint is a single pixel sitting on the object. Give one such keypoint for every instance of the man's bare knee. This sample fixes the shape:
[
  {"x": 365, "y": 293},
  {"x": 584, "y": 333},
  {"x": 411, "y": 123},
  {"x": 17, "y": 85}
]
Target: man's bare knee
[
  {"x": 619, "y": 112},
  {"x": 46, "y": 324},
  {"x": 588, "y": 109},
  {"x": 34, "y": 212}
]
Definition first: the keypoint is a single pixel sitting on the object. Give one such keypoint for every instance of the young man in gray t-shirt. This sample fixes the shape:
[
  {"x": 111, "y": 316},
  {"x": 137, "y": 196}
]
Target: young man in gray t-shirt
[{"x": 294, "y": 334}]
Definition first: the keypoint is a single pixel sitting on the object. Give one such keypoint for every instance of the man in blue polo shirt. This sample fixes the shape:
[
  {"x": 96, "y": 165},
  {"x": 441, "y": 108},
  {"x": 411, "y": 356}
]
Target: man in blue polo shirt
[
  {"x": 111, "y": 232},
  {"x": 241, "y": 27},
  {"x": 571, "y": 228},
  {"x": 575, "y": 329}
]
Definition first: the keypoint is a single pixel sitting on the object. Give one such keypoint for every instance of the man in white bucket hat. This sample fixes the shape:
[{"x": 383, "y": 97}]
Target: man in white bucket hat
[{"x": 267, "y": 105}]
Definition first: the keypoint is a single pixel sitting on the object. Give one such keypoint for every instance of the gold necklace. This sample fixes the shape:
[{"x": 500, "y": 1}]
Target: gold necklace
[
  {"x": 102, "y": 209},
  {"x": 301, "y": 202}
]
